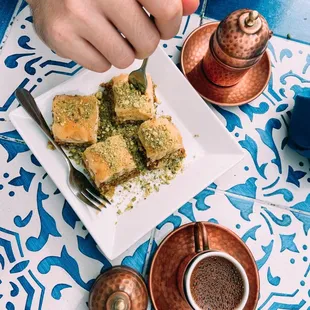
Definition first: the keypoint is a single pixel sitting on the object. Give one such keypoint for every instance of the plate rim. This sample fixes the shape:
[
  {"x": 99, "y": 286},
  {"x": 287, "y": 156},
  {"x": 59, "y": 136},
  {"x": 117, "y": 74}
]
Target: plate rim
[{"x": 113, "y": 253}]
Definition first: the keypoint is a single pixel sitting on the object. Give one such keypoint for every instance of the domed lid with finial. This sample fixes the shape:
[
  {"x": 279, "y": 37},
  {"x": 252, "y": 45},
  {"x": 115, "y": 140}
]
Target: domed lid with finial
[
  {"x": 119, "y": 288},
  {"x": 243, "y": 34}
]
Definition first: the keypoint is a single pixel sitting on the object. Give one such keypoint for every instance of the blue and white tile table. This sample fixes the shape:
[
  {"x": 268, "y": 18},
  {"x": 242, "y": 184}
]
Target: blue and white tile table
[{"x": 47, "y": 258}]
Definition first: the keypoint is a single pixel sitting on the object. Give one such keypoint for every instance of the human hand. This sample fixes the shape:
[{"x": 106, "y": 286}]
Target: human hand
[{"x": 88, "y": 31}]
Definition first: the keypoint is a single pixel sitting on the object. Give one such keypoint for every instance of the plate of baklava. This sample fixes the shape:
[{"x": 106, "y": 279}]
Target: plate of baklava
[{"x": 149, "y": 154}]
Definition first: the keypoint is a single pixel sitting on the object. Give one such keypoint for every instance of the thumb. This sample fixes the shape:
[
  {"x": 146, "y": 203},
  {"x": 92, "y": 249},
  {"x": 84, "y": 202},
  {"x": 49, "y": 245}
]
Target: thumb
[{"x": 190, "y": 6}]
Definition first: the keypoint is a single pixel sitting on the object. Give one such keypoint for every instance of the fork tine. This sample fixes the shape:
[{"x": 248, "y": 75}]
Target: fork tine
[
  {"x": 94, "y": 197},
  {"x": 87, "y": 201},
  {"x": 95, "y": 201},
  {"x": 97, "y": 195}
]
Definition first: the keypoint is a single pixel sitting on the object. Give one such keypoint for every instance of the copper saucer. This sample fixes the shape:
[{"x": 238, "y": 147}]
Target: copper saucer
[
  {"x": 118, "y": 288},
  {"x": 249, "y": 88},
  {"x": 180, "y": 243}
]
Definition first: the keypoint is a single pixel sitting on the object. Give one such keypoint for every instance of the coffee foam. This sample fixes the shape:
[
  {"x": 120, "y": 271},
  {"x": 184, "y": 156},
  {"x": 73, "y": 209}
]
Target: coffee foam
[{"x": 216, "y": 284}]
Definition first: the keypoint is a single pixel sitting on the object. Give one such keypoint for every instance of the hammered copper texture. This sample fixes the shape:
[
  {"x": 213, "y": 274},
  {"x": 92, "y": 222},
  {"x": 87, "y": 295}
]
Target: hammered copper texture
[
  {"x": 121, "y": 279},
  {"x": 234, "y": 62},
  {"x": 239, "y": 44},
  {"x": 218, "y": 73},
  {"x": 180, "y": 243},
  {"x": 249, "y": 87}
]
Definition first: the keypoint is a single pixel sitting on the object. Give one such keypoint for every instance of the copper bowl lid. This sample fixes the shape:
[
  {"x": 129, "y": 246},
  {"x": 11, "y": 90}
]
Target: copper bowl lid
[
  {"x": 119, "y": 288},
  {"x": 243, "y": 34}
]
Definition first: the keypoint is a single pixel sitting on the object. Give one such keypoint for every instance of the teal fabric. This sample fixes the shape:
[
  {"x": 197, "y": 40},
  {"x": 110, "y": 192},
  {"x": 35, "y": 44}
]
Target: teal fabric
[{"x": 299, "y": 130}]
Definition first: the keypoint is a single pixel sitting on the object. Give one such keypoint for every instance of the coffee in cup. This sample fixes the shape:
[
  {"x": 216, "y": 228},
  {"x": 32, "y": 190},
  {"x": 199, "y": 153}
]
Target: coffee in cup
[{"x": 214, "y": 281}]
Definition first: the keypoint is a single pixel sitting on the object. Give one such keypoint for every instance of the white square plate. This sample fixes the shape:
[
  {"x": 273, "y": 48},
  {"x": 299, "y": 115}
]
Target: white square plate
[{"x": 209, "y": 155}]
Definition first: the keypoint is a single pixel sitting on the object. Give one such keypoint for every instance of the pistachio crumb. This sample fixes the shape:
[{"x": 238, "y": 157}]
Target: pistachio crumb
[
  {"x": 99, "y": 95},
  {"x": 50, "y": 146},
  {"x": 108, "y": 127},
  {"x": 129, "y": 206}
]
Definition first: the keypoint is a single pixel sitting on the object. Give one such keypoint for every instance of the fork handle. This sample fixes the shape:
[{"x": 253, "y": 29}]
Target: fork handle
[
  {"x": 28, "y": 103},
  {"x": 144, "y": 64}
]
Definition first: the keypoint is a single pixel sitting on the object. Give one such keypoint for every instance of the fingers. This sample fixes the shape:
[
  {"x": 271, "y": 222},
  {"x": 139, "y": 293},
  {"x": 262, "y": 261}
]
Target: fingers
[
  {"x": 131, "y": 20},
  {"x": 87, "y": 31},
  {"x": 83, "y": 53},
  {"x": 168, "y": 15},
  {"x": 108, "y": 42},
  {"x": 190, "y": 6}
]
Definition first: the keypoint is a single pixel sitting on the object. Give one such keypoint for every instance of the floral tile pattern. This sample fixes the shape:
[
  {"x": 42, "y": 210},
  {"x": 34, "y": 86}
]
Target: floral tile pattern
[
  {"x": 47, "y": 258},
  {"x": 282, "y": 176},
  {"x": 44, "y": 248},
  {"x": 278, "y": 239}
]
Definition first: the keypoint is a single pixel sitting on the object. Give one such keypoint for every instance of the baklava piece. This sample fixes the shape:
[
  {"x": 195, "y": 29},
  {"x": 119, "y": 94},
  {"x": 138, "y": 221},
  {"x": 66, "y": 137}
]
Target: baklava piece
[
  {"x": 110, "y": 163},
  {"x": 129, "y": 103},
  {"x": 75, "y": 119},
  {"x": 161, "y": 141}
]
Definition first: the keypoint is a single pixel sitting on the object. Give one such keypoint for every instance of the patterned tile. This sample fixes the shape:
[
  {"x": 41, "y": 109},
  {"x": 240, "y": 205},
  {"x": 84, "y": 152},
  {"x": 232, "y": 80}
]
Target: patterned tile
[
  {"x": 281, "y": 175},
  {"x": 44, "y": 248},
  {"x": 278, "y": 239},
  {"x": 28, "y": 63},
  {"x": 261, "y": 129},
  {"x": 48, "y": 259}
]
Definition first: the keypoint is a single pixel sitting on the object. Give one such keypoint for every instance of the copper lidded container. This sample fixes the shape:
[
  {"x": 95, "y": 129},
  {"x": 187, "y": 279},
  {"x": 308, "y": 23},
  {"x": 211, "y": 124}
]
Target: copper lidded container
[
  {"x": 118, "y": 288},
  {"x": 236, "y": 46}
]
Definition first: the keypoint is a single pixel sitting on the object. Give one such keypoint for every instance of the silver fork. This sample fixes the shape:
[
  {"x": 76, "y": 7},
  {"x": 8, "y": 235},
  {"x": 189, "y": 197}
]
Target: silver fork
[
  {"x": 79, "y": 184},
  {"x": 138, "y": 77}
]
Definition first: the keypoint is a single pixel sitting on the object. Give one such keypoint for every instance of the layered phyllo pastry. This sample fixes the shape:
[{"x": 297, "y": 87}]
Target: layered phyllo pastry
[
  {"x": 161, "y": 140},
  {"x": 109, "y": 163},
  {"x": 75, "y": 119},
  {"x": 129, "y": 103}
]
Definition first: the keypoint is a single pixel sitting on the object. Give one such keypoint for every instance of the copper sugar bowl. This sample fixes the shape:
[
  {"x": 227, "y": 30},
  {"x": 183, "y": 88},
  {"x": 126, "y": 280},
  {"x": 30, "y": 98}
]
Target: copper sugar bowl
[
  {"x": 236, "y": 46},
  {"x": 118, "y": 288}
]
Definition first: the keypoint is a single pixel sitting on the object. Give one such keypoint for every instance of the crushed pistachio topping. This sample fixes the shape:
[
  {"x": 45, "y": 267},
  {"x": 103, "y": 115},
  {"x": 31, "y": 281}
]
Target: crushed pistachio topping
[
  {"x": 99, "y": 95},
  {"x": 76, "y": 153},
  {"x": 50, "y": 146},
  {"x": 138, "y": 85},
  {"x": 126, "y": 95},
  {"x": 129, "y": 206},
  {"x": 112, "y": 150},
  {"x": 157, "y": 137},
  {"x": 148, "y": 181},
  {"x": 74, "y": 109}
]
